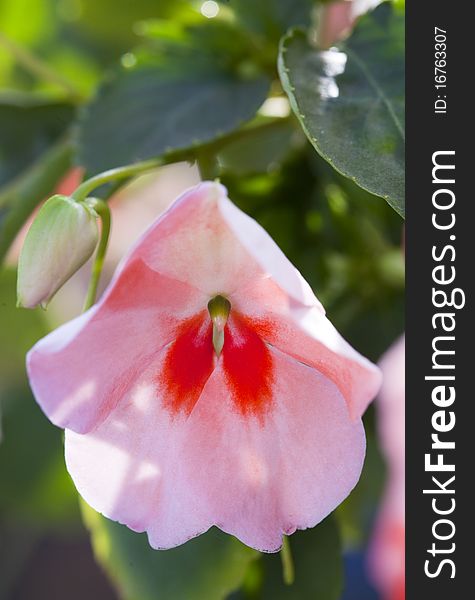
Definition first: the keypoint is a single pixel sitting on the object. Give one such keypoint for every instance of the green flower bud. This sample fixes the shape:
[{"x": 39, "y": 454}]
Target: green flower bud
[{"x": 60, "y": 240}]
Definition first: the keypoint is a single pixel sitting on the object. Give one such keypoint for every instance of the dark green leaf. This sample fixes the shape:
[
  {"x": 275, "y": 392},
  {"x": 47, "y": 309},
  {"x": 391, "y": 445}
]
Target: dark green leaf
[
  {"x": 180, "y": 94},
  {"x": 16, "y": 547},
  {"x": 20, "y": 197},
  {"x": 272, "y": 18},
  {"x": 32, "y": 157},
  {"x": 206, "y": 568},
  {"x": 351, "y": 103},
  {"x": 260, "y": 150},
  {"x": 29, "y": 127},
  {"x": 317, "y": 564},
  {"x": 35, "y": 487}
]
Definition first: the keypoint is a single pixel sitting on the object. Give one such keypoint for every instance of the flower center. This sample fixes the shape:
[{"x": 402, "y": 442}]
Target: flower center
[
  {"x": 245, "y": 366},
  {"x": 219, "y": 308}
]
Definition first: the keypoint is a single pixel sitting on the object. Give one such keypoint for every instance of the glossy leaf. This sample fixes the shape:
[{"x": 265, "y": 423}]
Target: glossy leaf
[
  {"x": 350, "y": 103},
  {"x": 181, "y": 93},
  {"x": 260, "y": 150},
  {"x": 206, "y": 568}
]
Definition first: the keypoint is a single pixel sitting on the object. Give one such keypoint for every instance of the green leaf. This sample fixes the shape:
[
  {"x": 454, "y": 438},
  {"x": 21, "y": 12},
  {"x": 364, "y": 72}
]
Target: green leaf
[
  {"x": 33, "y": 157},
  {"x": 29, "y": 127},
  {"x": 317, "y": 562},
  {"x": 350, "y": 103},
  {"x": 179, "y": 94},
  {"x": 206, "y": 568},
  {"x": 20, "y": 330},
  {"x": 35, "y": 487},
  {"x": 260, "y": 149},
  {"x": 20, "y": 197},
  {"x": 16, "y": 547},
  {"x": 110, "y": 23}
]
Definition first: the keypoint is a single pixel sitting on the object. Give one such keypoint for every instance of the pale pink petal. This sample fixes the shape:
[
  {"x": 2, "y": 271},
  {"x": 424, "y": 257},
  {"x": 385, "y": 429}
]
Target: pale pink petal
[
  {"x": 336, "y": 20},
  {"x": 265, "y": 252},
  {"x": 335, "y": 23},
  {"x": 391, "y": 405},
  {"x": 309, "y": 336},
  {"x": 206, "y": 241},
  {"x": 256, "y": 478},
  {"x": 258, "y": 442},
  {"x": 131, "y": 467},
  {"x": 387, "y": 550},
  {"x": 79, "y": 372},
  {"x": 207, "y": 244},
  {"x": 192, "y": 244},
  {"x": 306, "y": 334},
  {"x": 287, "y": 472}
]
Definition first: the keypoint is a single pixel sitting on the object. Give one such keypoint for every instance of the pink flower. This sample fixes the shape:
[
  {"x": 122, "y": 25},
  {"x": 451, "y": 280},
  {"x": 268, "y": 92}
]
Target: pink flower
[
  {"x": 176, "y": 421},
  {"x": 387, "y": 548},
  {"x": 338, "y": 18}
]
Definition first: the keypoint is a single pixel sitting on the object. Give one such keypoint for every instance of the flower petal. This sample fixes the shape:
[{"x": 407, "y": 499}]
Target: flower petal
[
  {"x": 265, "y": 252},
  {"x": 386, "y": 552},
  {"x": 175, "y": 475},
  {"x": 80, "y": 371},
  {"x": 206, "y": 241},
  {"x": 263, "y": 478},
  {"x": 192, "y": 243},
  {"x": 306, "y": 334},
  {"x": 131, "y": 467}
]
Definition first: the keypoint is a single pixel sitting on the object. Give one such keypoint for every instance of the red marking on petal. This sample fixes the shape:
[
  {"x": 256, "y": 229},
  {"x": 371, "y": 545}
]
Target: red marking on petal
[
  {"x": 188, "y": 364},
  {"x": 136, "y": 276},
  {"x": 248, "y": 366}
]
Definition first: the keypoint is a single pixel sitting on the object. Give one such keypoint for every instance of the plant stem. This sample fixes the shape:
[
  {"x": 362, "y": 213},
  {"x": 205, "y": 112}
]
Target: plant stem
[
  {"x": 288, "y": 571},
  {"x": 88, "y": 186},
  {"x": 38, "y": 67},
  {"x": 208, "y": 166},
  {"x": 102, "y": 209},
  {"x": 206, "y": 158}
]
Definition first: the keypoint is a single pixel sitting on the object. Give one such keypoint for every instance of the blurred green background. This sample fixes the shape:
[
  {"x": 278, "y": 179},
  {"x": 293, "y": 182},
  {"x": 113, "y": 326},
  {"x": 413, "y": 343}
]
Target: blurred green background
[{"x": 347, "y": 243}]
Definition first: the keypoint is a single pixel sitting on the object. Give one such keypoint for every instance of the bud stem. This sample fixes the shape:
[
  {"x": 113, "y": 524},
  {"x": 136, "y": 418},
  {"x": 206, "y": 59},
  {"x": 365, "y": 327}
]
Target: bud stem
[
  {"x": 103, "y": 211},
  {"x": 88, "y": 186},
  {"x": 206, "y": 158},
  {"x": 208, "y": 166}
]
